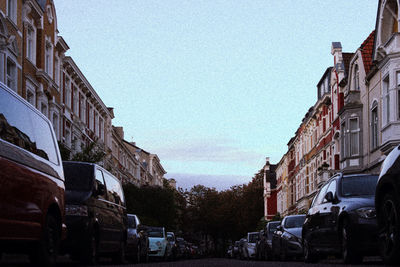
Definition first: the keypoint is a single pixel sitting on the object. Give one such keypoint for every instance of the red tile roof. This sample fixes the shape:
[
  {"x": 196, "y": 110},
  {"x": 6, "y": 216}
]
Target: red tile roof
[{"x": 366, "y": 51}]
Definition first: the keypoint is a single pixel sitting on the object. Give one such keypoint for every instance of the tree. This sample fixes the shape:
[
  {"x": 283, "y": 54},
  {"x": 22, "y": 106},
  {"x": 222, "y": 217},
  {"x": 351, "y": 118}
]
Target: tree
[{"x": 93, "y": 153}]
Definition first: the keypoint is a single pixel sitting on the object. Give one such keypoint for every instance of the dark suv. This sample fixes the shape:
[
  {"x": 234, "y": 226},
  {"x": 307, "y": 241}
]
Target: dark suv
[
  {"x": 342, "y": 219},
  {"x": 31, "y": 181},
  {"x": 95, "y": 213},
  {"x": 387, "y": 201}
]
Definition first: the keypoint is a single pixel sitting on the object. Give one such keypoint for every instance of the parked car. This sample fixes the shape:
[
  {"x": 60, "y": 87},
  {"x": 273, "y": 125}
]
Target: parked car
[
  {"x": 158, "y": 243},
  {"x": 286, "y": 240},
  {"x": 32, "y": 217},
  {"x": 95, "y": 213},
  {"x": 229, "y": 252},
  {"x": 235, "y": 250},
  {"x": 252, "y": 238},
  {"x": 264, "y": 245},
  {"x": 342, "y": 219},
  {"x": 181, "y": 247},
  {"x": 172, "y": 242},
  {"x": 242, "y": 249},
  {"x": 137, "y": 240},
  {"x": 387, "y": 201}
]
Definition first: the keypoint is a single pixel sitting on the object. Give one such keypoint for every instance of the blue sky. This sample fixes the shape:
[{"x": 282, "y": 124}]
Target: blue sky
[{"x": 213, "y": 87}]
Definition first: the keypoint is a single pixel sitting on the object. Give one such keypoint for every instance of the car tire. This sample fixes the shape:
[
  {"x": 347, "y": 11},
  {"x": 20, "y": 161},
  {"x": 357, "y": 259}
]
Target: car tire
[
  {"x": 389, "y": 232},
  {"x": 309, "y": 256},
  {"x": 349, "y": 253},
  {"x": 136, "y": 257},
  {"x": 45, "y": 254},
  {"x": 90, "y": 255},
  {"x": 119, "y": 257}
]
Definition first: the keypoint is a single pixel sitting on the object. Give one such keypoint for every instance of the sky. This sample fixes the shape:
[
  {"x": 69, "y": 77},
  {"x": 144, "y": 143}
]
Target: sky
[{"x": 212, "y": 87}]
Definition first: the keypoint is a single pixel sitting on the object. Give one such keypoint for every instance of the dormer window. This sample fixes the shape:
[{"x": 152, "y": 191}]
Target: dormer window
[
  {"x": 356, "y": 78},
  {"x": 389, "y": 22}
]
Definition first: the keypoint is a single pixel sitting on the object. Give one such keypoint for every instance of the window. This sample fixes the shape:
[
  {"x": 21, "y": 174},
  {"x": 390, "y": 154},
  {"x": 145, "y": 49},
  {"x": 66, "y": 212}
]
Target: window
[
  {"x": 76, "y": 102},
  {"x": 82, "y": 107},
  {"x": 386, "y": 100},
  {"x": 91, "y": 118},
  {"x": 55, "y": 124},
  {"x": 43, "y": 109},
  {"x": 356, "y": 78},
  {"x": 68, "y": 92},
  {"x": 374, "y": 125},
  {"x": 101, "y": 127},
  {"x": 48, "y": 63},
  {"x": 11, "y": 75},
  {"x": 100, "y": 182},
  {"x": 30, "y": 97},
  {"x": 30, "y": 44},
  {"x": 12, "y": 10},
  {"x": 321, "y": 194},
  {"x": 33, "y": 133},
  {"x": 57, "y": 71},
  {"x": 354, "y": 136},
  {"x": 343, "y": 140}
]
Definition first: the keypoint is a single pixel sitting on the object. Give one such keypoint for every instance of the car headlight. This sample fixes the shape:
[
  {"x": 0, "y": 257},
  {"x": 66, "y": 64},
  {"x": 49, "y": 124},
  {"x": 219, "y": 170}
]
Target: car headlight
[
  {"x": 76, "y": 210},
  {"x": 367, "y": 212}
]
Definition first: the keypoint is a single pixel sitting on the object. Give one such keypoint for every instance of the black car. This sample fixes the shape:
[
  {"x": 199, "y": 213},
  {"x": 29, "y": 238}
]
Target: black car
[
  {"x": 137, "y": 240},
  {"x": 95, "y": 213},
  {"x": 266, "y": 247},
  {"x": 342, "y": 219},
  {"x": 286, "y": 240},
  {"x": 387, "y": 201}
]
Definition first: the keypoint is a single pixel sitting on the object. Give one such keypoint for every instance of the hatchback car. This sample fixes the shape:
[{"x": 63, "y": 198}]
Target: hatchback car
[
  {"x": 270, "y": 228},
  {"x": 32, "y": 217},
  {"x": 95, "y": 213},
  {"x": 251, "y": 243},
  {"x": 342, "y": 219},
  {"x": 158, "y": 243},
  {"x": 387, "y": 201},
  {"x": 286, "y": 240}
]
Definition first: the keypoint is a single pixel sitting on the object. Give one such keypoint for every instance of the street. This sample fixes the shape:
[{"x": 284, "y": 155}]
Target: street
[{"x": 14, "y": 261}]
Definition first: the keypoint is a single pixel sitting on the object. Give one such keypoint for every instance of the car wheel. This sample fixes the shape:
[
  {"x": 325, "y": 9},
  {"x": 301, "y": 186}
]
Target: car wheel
[
  {"x": 45, "y": 254},
  {"x": 390, "y": 236},
  {"x": 91, "y": 253},
  {"x": 309, "y": 256},
  {"x": 119, "y": 257},
  {"x": 349, "y": 254}
]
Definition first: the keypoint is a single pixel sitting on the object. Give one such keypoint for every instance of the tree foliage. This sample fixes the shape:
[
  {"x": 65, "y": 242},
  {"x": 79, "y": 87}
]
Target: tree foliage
[{"x": 91, "y": 152}]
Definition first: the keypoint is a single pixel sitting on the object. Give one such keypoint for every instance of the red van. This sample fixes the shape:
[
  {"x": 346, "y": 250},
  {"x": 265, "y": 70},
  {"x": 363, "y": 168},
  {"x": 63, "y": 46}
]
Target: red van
[{"x": 31, "y": 182}]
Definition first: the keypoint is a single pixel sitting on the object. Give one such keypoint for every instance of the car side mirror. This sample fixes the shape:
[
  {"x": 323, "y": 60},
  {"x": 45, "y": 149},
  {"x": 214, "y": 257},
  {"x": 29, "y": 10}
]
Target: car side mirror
[
  {"x": 279, "y": 228},
  {"x": 101, "y": 189},
  {"x": 329, "y": 197}
]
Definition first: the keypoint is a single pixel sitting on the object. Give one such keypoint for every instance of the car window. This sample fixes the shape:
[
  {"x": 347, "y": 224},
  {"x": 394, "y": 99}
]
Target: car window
[
  {"x": 253, "y": 238},
  {"x": 114, "y": 189},
  {"x": 321, "y": 194},
  {"x": 78, "y": 177},
  {"x": 131, "y": 222},
  {"x": 295, "y": 221},
  {"x": 273, "y": 226},
  {"x": 331, "y": 188},
  {"x": 99, "y": 179},
  {"x": 359, "y": 185},
  {"x": 21, "y": 126},
  {"x": 156, "y": 233}
]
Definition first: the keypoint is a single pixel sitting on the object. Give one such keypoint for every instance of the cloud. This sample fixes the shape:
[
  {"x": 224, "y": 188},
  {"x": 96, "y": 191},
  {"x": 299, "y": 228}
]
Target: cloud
[
  {"x": 219, "y": 182},
  {"x": 209, "y": 150}
]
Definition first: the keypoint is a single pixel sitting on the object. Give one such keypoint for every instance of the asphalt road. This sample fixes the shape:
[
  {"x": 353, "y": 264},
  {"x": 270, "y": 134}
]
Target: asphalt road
[{"x": 22, "y": 261}]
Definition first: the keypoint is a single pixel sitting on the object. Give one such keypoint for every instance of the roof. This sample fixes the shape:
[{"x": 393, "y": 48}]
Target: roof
[
  {"x": 366, "y": 51},
  {"x": 42, "y": 3},
  {"x": 346, "y": 61}
]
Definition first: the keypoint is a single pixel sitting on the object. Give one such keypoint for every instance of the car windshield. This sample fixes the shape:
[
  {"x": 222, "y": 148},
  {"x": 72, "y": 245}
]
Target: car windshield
[
  {"x": 156, "y": 233},
  {"x": 253, "y": 238},
  {"x": 78, "y": 177},
  {"x": 131, "y": 222},
  {"x": 273, "y": 227},
  {"x": 295, "y": 221},
  {"x": 359, "y": 185}
]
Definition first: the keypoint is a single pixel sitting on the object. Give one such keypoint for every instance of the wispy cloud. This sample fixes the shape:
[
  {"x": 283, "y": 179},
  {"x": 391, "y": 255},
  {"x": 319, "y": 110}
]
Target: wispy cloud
[
  {"x": 219, "y": 182},
  {"x": 208, "y": 150}
]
